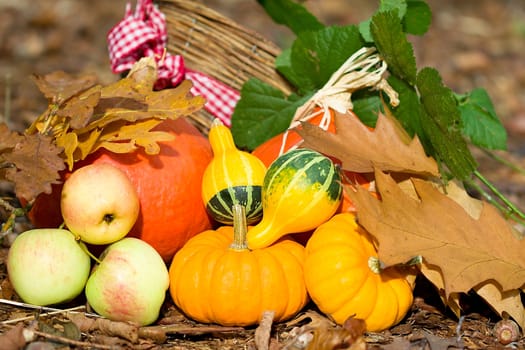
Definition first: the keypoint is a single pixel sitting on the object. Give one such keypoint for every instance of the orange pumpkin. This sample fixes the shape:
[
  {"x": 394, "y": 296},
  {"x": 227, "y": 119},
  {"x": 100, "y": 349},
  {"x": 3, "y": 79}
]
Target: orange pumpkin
[
  {"x": 272, "y": 148},
  {"x": 168, "y": 185},
  {"x": 215, "y": 278},
  {"x": 344, "y": 278}
]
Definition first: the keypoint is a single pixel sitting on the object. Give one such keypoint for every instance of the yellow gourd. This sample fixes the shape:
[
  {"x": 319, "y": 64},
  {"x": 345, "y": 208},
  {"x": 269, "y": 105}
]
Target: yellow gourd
[{"x": 232, "y": 177}]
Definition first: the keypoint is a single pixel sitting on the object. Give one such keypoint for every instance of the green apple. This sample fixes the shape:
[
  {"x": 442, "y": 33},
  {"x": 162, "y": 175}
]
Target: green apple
[
  {"x": 99, "y": 203},
  {"x": 47, "y": 266},
  {"x": 130, "y": 282}
]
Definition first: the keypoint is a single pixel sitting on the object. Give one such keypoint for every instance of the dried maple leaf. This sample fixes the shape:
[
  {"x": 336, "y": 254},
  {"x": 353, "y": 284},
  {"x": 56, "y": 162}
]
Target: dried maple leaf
[
  {"x": 387, "y": 147},
  {"x": 464, "y": 251},
  {"x": 31, "y": 162}
]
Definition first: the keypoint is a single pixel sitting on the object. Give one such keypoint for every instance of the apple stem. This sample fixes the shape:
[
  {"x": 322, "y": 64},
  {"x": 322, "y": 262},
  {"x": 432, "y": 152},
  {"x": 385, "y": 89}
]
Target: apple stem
[{"x": 85, "y": 248}]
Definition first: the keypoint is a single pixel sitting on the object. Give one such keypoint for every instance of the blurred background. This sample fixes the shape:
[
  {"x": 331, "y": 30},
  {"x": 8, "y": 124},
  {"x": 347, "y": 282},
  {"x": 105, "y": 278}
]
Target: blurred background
[{"x": 473, "y": 43}]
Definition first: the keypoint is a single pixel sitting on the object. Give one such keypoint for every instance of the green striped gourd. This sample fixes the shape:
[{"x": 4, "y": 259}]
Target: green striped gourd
[
  {"x": 301, "y": 190},
  {"x": 232, "y": 177}
]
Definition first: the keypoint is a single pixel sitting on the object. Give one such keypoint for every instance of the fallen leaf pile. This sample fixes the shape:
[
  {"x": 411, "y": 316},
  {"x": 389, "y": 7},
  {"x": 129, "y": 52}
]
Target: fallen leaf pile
[
  {"x": 463, "y": 244},
  {"x": 83, "y": 116}
]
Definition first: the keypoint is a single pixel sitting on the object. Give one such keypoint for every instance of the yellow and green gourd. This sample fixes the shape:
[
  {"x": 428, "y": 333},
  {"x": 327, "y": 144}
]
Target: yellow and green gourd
[
  {"x": 232, "y": 177},
  {"x": 301, "y": 190}
]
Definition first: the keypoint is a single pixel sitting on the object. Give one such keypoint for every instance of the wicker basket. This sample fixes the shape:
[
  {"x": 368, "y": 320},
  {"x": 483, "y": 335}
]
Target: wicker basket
[{"x": 219, "y": 47}]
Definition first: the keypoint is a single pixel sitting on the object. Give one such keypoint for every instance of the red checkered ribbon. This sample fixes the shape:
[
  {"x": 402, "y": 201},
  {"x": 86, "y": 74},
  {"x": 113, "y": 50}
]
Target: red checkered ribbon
[{"x": 144, "y": 34}]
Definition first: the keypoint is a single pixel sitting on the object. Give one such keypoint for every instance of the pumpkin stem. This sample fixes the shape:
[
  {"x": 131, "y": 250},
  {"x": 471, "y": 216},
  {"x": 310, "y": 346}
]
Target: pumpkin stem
[
  {"x": 374, "y": 264},
  {"x": 239, "y": 228}
]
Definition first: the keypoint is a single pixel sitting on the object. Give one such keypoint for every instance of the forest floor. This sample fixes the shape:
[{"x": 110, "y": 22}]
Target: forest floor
[{"x": 473, "y": 43}]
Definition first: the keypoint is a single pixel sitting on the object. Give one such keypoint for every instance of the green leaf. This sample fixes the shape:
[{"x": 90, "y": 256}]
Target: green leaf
[
  {"x": 315, "y": 56},
  {"x": 366, "y": 106},
  {"x": 262, "y": 112},
  {"x": 418, "y": 17},
  {"x": 291, "y": 14},
  {"x": 442, "y": 125},
  {"x": 393, "y": 45},
  {"x": 480, "y": 122},
  {"x": 283, "y": 64},
  {"x": 409, "y": 110},
  {"x": 384, "y": 5}
]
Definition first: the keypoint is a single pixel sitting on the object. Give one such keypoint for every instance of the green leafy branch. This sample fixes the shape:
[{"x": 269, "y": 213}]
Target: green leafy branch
[{"x": 447, "y": 123}]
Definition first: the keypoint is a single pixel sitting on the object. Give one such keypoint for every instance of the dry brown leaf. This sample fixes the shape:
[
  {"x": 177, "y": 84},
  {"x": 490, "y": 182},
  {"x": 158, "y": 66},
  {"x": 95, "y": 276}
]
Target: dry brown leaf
[
  {"x": 363, "y": 150},
  {"x": 80, "y": 108},
  {"x": 118, "y": 116},
  {"x": 434, "y": 342},
  {"x": 335, "y": 339},
  {"x": 164, "y": 104},
  {"x": 14, "y": 338},
  {"x": 503, "y": 302},
  {"x": 467, "y": 252},
  {"x": 124, "y": 330},
  {"x": 141, "y": 77},
  {"x": 31, "y": 162},
  {"x": 59, "y": 86},
  {"x": 8, "y": 138}
]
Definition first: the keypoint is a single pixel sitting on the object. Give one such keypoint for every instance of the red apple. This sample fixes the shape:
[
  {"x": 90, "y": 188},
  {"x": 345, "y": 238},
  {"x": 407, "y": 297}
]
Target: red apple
[
  {"x": 47, "y": 266},
  {"x": 99, "y": 203},
  {"x": 130, "y": 283}
]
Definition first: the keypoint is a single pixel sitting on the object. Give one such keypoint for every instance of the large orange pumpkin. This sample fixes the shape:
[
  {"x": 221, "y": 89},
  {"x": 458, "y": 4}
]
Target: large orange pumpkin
[
  {"x": 269, "y": 150},
  {"x": 168, "y": 184}
]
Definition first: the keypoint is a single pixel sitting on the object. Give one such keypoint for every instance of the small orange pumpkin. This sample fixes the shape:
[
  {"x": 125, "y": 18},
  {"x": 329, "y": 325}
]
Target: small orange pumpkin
[
  {"x": 344, "y": 279},
  {"x": 215, "y": 278}
]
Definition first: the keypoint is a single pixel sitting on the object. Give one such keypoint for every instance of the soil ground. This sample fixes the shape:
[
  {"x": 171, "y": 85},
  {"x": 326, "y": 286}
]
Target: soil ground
[{"x": 473, "y": 43}]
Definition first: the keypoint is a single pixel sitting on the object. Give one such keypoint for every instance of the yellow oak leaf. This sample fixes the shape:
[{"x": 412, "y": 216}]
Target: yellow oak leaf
[
  {"x": 460, "y": 251},
  {"x": 125, "y": 138},
  {"x": 118, "y": 116},
  {"x": 87, "y": 142},
  {"x": 69, "y": 142},
  {"x": 387, "y": 147}
]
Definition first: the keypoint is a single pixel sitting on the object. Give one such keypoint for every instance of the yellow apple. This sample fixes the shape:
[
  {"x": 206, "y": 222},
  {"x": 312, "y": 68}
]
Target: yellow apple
[
  {"x": 47, "y": 266},
  {"x": 99, "y": 203}
]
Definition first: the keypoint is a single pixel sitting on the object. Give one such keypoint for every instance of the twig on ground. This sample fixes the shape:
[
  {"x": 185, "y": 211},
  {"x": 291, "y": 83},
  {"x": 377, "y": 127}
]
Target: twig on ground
[
  {"x": 67, "y": 341},
  {"x": 263, "y": 331},
  {"x": 48, "y": 311}
]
